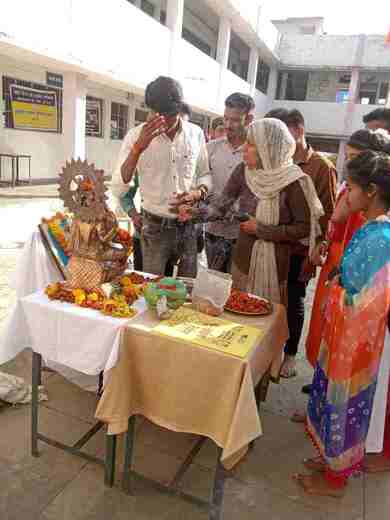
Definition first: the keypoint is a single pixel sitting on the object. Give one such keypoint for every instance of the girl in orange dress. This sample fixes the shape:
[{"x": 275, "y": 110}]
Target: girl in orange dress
[{"x": 342, "y": 227}]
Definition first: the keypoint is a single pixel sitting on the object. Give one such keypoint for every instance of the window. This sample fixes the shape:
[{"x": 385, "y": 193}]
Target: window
[
  {"x": 367, "y": 93},
  {"x": 31, "y": 106},
  {"x": 147, "y": 7},
  {"x": 157, "y": 10},
  {"x": 196, "y": 41},
  {"x": 383, "y": 93},
  {"x": 238, "y": 57},
  {"x": 345, "y": 79},
  {"x": 141, "y": 116},
  {"x": 119, "y": 120},
  {"x": 262, "y": 78},
  {"x": 307, "y": 29},
  {"x": 292, "y": 86}
]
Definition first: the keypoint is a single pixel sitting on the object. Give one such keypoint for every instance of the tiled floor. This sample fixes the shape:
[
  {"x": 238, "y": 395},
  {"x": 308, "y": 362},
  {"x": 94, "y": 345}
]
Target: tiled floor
[{"x": 62, "y": 487}]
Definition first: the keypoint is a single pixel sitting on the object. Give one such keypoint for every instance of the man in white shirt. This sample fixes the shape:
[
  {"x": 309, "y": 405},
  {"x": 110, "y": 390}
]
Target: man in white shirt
[
  {"x": 171, "y": 159},
  {"x": 225, "y": 154}
]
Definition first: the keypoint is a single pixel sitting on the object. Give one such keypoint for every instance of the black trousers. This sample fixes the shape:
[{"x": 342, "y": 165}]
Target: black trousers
[
  {"x": 137, "y": 254},
  {"x": 296, "y": 304}
]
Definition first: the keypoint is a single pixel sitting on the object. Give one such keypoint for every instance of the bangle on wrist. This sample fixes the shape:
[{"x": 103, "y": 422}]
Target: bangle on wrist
[{"x": 203, "y": 190}]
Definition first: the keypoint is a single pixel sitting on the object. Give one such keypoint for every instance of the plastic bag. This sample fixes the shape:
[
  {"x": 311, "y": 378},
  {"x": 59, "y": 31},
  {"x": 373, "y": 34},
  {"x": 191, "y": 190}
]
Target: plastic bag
[
  {"x": 211, "y": 291},
  {"x": 14, "y": 390}
]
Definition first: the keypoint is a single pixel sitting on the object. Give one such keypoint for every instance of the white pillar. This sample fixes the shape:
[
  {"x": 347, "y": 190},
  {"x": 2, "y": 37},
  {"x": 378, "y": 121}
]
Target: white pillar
[
  {"x": 223, "y": 49},
  {"x": 106, "y": 123},
  {"x": 352, "y": 98},
  {"x": 223, "y": 45},
  {"x": 283, "y": 87},
  {"x": 157, "y": 11},
  {"x": 175, "y": 11},
  {"x": 354, "y": 84},
  {"x": 252, "y": 69},
  {"x": 73, "y": 117},
  {"x": 341, "y": 160},
  {"x": 387, "y": 104},
  {"x": 272, "y": 83}
]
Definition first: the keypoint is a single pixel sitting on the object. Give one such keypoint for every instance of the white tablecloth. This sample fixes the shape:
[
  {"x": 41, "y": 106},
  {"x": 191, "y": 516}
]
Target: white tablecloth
[
  {"x": 375, "y": 437},
  {"x": 35, "y": 269},
  {"x": 81, "y": 339}
]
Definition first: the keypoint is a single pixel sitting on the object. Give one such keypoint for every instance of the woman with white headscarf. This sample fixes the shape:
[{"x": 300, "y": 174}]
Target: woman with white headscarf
[{"x": 283, "y": 205}]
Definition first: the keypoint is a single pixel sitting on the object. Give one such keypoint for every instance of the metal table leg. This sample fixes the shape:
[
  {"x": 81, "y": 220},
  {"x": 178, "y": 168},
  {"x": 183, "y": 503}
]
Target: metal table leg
[
  {"x": 218, "y": 490},
  {"x": 109, "y": 469},
  {"x": 108, "y": 462},
  {"x": 36, "y": 381},
  {"x": 129, "y": 448}
]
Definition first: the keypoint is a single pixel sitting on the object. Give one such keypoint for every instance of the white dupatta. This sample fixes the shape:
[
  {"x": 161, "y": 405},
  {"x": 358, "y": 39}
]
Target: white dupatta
[{"x": 276, "y": 148}]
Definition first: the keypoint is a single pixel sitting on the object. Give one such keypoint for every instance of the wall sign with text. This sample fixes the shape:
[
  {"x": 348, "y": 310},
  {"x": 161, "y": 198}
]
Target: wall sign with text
[
  {"x": 32, "y": 106},
  {"x": 94, "y": 117}
]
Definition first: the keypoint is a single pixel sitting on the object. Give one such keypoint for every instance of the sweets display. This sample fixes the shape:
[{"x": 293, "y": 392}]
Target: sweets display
[{"x": 241, "y": 302}]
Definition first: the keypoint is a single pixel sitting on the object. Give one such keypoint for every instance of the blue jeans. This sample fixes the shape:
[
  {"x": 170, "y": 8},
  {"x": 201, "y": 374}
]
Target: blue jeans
[{"x": 164, "y": 241}]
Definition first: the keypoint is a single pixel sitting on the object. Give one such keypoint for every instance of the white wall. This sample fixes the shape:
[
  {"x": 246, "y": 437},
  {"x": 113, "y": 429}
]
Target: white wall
[
  {"x": 359, "y": 112},
  {"x": 47, "y": 149},
  {"x": 231, "y": 83},
  {"x": 262, "y": 102},
  {"x": 44, "y": 147},
  {"x": 376, "y": 52},
  {"x": 318, "y": 51},
  {"x": 104, "y": 151},
  {"x": 115, "y": 41},
  {"x": 321, "y": 118},
  {"x": 199, "y": 75},
  {"x": 200, "y": 28}
]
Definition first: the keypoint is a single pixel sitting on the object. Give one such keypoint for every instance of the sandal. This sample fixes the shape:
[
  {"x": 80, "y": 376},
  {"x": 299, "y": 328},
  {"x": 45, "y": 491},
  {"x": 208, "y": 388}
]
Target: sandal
[
  {"x": 314, "y": 464},
  {"x": 298, "y": 417},
  {"x": 288, "y": 369}
]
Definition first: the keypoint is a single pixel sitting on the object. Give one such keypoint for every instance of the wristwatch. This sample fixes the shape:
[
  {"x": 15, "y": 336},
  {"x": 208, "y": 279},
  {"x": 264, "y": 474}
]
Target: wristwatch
[{"x": 203, "y": 191}]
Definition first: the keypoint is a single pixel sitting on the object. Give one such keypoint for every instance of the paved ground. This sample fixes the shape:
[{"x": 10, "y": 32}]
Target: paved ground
[{"x": 58, "y": 486}]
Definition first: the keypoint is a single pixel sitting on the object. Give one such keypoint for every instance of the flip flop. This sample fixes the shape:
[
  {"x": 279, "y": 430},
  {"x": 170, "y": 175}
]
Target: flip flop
[
  {"x": 314, "y": 464},
  {"x": 288, "y": 369},
  {"x": 292, "y": 372},
  {"x": 298, "y": 417}
]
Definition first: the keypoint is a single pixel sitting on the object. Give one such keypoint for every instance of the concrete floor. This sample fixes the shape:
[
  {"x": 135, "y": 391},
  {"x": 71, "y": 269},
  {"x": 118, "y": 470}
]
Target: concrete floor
[{"x": 58, "y": 486}]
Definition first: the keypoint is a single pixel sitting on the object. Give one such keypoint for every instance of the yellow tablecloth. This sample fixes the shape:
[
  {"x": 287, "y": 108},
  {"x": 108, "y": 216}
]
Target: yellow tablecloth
[{"x": 185, "y": 388}]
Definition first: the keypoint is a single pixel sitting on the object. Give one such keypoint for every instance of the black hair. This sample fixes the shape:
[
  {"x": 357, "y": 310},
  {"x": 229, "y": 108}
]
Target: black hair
[
  {"x": 379, "y": 114},
  {"x": 164, "y": 95},
  {"x": 278, "y": 113},
  {"x": 186, "y": 110},
  {"x": 372, "y": 168},
  {"x": 241, "y": 102},
  {"x": 289, "y": 117},
  {"x": 218, "y": 121},
  {"x": 366, "y": 139}
]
